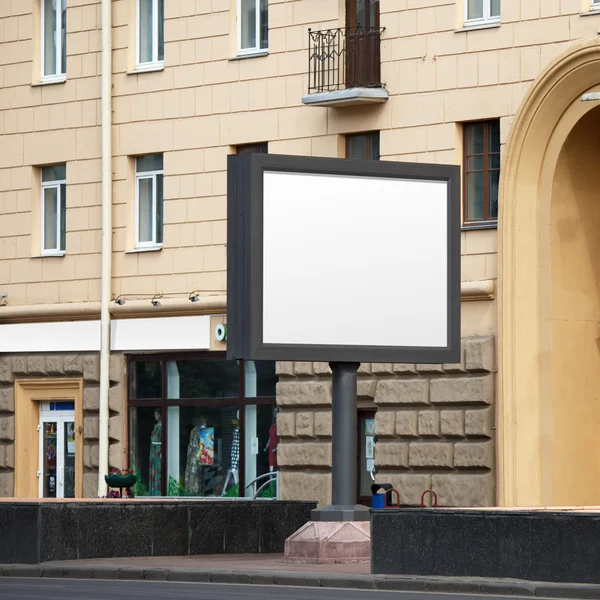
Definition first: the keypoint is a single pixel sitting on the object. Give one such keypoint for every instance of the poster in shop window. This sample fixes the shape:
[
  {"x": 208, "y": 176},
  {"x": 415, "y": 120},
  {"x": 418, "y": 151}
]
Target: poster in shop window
[{"x": 206, "y": 453}]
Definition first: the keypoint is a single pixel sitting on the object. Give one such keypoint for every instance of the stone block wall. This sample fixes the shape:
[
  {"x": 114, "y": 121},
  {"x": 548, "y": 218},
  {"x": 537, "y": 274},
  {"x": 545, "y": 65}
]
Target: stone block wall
[
  {"x": 435, "y": 427},
  {"x": 86, "y": 366}
]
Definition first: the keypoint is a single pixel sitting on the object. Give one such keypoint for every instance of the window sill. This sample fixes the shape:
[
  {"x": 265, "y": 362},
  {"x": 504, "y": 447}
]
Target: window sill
[
  {"x": 480, "y": 225},
  {"x": 53, "y": 81},
  {"x": 148, "y": 68},
  {"x": 256, "y": 54},
  {"x": 591, "y": 12},
  {"x": 144, "y": 249},
  {"x": 50, "y": 255},
  {"x": 476, "y": 26}
]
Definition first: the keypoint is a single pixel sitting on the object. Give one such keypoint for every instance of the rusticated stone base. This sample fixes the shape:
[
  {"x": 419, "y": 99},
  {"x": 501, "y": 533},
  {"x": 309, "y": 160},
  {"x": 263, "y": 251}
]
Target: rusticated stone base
[
  {"x": 326, "y": 542},
  {"x": 434, "y": 425}
]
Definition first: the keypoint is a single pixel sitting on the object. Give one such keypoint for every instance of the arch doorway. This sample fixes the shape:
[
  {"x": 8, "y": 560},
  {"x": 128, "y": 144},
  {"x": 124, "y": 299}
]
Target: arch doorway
[{"x": 549, "y": 343}]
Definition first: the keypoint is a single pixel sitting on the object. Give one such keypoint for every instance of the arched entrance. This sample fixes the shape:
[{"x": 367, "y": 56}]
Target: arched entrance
[{"x": 549, "y": 342}]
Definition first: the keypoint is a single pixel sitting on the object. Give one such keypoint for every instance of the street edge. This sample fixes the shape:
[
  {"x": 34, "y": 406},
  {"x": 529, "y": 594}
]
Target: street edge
[{"x": 287, "y": 578}]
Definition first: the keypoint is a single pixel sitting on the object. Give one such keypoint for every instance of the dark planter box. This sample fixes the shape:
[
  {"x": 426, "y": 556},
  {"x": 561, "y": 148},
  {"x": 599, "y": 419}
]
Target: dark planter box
[
  {"x": 34, "y": 532},
  {"x": 531, "y": 545}
]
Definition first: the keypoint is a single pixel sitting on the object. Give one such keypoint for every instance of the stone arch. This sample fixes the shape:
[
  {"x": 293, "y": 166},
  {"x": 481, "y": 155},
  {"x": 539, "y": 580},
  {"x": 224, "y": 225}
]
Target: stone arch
[{"x": 528, "y": 456}]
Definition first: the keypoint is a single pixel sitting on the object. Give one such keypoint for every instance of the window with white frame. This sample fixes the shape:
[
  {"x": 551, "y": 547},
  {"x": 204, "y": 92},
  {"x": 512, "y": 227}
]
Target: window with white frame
[
  {"x": 54, "y": 39},
  {"x": 482, "y": 11},
  {"x": 150, "y": 33},
  {"x": 149, "y": 201},
  {"x": 595, "y": 5},
  {"x": 253, "y": 26},
  {"x": 54, "y": 209}
]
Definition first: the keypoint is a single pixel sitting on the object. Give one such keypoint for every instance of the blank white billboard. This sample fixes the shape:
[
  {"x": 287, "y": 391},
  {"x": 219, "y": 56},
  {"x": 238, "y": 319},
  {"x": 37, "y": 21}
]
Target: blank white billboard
[{"x": 354, "y": 261}]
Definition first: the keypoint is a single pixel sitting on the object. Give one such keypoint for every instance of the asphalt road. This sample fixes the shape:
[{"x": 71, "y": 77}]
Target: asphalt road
[{"x": 79, "y": 589}]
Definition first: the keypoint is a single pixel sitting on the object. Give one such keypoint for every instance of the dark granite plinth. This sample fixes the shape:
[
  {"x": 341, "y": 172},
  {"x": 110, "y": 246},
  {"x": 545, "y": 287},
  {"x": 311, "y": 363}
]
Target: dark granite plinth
[
  {"x": 33, "y": 532},
  {"x": 533, "y": 545}
]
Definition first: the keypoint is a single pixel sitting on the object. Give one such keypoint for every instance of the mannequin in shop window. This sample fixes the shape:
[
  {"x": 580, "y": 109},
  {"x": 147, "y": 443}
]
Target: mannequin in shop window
[
  {"x": 232, "y": 473},
  {"x": 156, "y": 456},
  {"x": 193, "y": 468},
  {"x": 272, "y": 443}
]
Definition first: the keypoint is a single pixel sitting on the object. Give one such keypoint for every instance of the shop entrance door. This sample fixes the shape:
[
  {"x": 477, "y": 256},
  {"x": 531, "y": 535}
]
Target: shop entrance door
[
  {"x": 366, "y": 455},
  {"x": 56, "y": 473}
]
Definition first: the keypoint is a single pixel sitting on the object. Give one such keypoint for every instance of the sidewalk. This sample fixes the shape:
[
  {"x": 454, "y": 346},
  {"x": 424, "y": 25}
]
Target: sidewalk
[{"x": 269, "y": 569}]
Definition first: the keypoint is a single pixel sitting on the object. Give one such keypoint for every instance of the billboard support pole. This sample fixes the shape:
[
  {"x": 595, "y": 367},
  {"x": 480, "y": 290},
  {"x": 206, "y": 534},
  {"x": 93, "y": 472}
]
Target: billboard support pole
[{"x": 344, "y": 505}]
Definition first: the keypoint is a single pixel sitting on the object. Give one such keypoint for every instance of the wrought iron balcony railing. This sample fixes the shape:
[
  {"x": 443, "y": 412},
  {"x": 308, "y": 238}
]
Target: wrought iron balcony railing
[{"x": 339, "y": 59}]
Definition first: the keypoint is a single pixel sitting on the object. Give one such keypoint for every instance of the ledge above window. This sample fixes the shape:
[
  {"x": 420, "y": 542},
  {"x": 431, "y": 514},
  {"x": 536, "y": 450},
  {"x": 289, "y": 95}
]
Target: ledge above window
[
  {"x": 153, "y": 248},
  {"x": 148, "y": 68}
]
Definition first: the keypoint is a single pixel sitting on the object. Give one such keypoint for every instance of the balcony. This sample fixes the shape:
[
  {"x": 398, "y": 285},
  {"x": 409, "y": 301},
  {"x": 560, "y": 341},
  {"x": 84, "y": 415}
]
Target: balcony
[{"x": 344, "y": 67}]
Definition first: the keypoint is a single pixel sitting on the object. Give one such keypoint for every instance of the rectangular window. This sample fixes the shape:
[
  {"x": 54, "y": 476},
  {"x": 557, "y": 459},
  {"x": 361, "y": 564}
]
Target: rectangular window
[
  {"x": 149, "y": 200},
  {"x": 262, "y": 148},
  {"x": 54, "y": 209},
  {"x": 363, "y": 146},
  {"x": 482, "y": 12},
  {"x": 595, "y": 5},
  {"x": 54, "y": 39},
  {"x": 253, "y": 26},
  {"x": 203, "y": 427},
  {"x": 481, "y": 171},
  {"x": 150, "y": 33}
]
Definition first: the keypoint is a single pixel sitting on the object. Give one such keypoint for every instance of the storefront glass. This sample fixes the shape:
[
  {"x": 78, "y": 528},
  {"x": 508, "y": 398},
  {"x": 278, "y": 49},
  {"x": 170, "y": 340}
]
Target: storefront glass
[{"x": 212, "y": 431}]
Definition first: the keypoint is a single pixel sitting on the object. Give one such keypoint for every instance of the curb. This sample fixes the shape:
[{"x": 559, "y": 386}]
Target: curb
[{"x": 465, "y": 585}]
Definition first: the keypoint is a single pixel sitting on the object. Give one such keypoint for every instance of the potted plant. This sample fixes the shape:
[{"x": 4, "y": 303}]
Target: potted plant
[{"x": 120, "y": 478}]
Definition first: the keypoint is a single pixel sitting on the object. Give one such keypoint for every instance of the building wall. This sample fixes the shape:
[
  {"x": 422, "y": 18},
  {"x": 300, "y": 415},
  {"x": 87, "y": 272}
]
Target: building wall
[
  {"x": 85, "y": 366},
  {"x": 434, "y": 427},
  {"x": 194, "y": 111},
  {"x": 203, "y": 103}
]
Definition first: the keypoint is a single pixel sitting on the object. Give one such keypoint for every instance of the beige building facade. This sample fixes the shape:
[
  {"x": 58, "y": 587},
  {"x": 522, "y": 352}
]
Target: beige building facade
[{"x": 432, "y": 81}]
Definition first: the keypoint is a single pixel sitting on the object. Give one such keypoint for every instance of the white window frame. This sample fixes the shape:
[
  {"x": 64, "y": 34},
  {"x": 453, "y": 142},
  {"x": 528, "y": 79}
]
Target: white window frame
[
  {"x": 155, "y": 63},
  {"x": 58, "y": 76},
  {"x": 595, "y": 5},
  {"x": 257, "y": 25},
  {"x": 58, "y": 251},
  {"x": 487, "y": 19},
  {"x": 139, "y": 177}
]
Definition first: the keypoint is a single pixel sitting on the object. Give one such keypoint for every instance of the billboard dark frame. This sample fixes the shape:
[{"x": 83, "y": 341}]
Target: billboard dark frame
[{"x": 245, "y": 176}]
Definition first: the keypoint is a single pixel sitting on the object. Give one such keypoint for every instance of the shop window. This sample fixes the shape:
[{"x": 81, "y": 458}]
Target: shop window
[
  {"x": 150, "y": 34},
  {"x": 363, "y": 146},
  {"x": 145, "y": 380},
  {"x": 253, "y": 26},
  {"x": 54, "y": 210},
  {"x": 481, "y": 172},
  {"x": 482, "y": 12},
  {"x": 149, "y": 201},
  {"x": 203, "y": 379},
  {"x": 54, "y": 40},
  {"x": 203, "y": 427}
]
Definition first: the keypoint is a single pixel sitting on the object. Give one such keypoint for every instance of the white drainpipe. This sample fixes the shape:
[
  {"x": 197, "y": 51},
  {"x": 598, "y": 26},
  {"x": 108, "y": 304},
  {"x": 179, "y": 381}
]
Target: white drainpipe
[{"x": 103, "y": 413}]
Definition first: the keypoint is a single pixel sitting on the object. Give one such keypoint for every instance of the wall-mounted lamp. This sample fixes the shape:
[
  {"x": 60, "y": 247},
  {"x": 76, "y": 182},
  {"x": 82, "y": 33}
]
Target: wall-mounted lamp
[
  {"x": 155, "y": 301},
  {"x": 194, "y": 297},
  {"x": 120, "y": 300}
]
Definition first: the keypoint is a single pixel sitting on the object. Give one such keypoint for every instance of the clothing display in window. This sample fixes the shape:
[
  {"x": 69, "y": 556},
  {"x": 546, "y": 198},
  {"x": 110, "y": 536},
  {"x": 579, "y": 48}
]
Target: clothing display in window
[
  {"x": 272, "y": 446},
  {"x": 156, "y": 458},
  {"x": 232, "y": 473}
]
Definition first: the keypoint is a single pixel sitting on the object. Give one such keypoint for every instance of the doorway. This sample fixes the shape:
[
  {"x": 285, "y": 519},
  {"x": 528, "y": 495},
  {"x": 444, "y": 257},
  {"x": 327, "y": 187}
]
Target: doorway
[
  {"x": 363, "y": 57},
  {"x": 56, "y": 471},
  {"x": 366, "y": 454}
]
